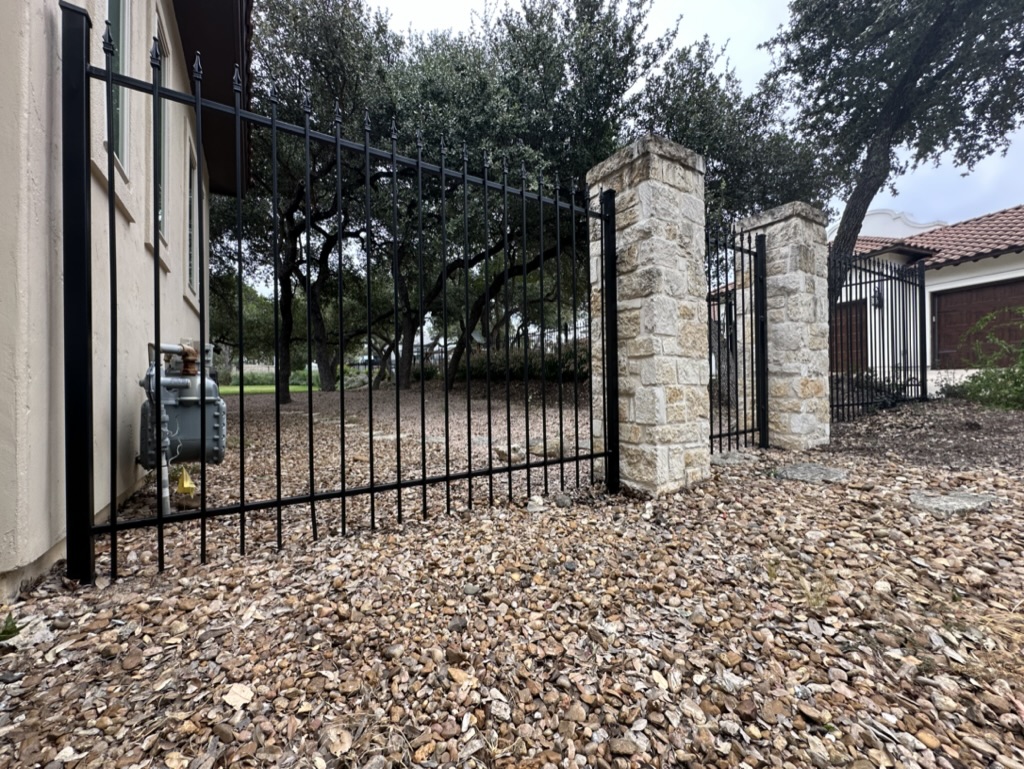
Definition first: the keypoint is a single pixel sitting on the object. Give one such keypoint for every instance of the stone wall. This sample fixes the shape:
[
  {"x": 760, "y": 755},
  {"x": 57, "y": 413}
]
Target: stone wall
[{"x": 663, "y": 406}]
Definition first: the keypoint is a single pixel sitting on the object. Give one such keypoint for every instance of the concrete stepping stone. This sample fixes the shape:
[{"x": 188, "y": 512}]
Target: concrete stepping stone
[
  {"x": 808, "y": 472},
  {"x": 733, "y": 459},
  {"x": 942, "y": 506}
]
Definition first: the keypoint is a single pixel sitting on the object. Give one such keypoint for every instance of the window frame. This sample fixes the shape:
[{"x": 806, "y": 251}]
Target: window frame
[
  {"x": 191, "y": 222},
  {"x": 160, "y": 171},
  {"x": 120, "y": 24}
]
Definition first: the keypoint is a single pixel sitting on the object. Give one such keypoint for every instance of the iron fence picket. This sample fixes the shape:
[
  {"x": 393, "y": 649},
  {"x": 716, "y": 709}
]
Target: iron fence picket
[
  {"x": 737, "y": 339},
  {"x": 342, "y": 475},
  {"x": 197, "y": 89},
  {"x": 108, "y": 54},
  {"x": 162, "y": 479}
]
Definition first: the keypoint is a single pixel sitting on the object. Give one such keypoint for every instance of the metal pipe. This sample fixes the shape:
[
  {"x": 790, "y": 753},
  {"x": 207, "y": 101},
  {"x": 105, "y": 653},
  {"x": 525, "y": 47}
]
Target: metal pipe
[
  {"x": 171, "y": 383},
  {"x": 165, "y": 486}
]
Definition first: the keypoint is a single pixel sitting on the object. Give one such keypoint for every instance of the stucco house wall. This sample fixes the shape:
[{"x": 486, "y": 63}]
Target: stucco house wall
[{"x": 31, "y": 295}]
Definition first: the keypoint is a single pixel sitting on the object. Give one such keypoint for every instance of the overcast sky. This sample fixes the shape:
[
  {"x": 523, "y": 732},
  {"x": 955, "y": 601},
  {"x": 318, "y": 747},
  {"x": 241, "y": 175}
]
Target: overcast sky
[{"x": 925, "y": 195}]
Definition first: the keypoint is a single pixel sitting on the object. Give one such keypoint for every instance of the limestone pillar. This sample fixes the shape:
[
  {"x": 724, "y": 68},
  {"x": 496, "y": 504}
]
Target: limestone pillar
[
  {"x": 797, "y": 289},
  {"x": 663, "y": 406}
]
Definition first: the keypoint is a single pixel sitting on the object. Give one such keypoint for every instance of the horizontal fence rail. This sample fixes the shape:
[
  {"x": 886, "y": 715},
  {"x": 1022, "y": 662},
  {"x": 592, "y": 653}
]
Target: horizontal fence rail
[
  {"x": 424, "y": 328},
  {"x": 877, "y": 335},
  {"x": 737, "y": 340}
]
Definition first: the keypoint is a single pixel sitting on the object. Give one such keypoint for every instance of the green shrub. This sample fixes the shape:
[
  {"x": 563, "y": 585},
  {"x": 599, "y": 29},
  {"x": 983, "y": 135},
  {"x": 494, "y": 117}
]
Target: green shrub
[
  {"x": 531, "y": 366},
  {"x": 430, "y": 372},
  {"x": 259, "y": 377},
  {"x": 298, "y": 377},
  {"x": 1000, "y": 381}
]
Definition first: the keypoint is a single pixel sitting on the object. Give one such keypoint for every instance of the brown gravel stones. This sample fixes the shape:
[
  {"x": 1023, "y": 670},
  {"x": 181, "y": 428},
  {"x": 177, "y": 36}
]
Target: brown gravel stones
[{"x": 749, "y": 622}]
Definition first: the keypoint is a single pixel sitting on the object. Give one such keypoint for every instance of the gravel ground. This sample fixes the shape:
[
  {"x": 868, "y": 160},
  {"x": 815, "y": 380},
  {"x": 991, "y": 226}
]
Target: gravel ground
[{"x": 751, "y": 621}]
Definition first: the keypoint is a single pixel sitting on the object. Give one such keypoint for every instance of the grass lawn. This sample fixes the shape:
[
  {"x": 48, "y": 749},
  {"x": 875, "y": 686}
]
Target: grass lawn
[{"x": 259, "y": 389}]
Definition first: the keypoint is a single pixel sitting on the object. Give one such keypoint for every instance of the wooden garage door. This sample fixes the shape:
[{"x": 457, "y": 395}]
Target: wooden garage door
[
  {"x": 956, "y": 317},
  {"x": 848, "y": 336}
]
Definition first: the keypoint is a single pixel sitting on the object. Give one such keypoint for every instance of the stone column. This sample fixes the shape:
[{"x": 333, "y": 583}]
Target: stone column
[
  {"x": 663, "y": 404},
  {"x": 797, "y": 288}
]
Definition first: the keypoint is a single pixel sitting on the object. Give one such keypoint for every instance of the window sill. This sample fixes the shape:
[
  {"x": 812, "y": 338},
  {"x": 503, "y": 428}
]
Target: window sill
[
  {"x": 122, "y": 186},
  {"x": 192, "y": 299},
  {"x": 163, "y": 252}
]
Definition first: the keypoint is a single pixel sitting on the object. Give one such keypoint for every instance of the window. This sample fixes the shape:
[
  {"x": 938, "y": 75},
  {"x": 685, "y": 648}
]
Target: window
[
  {"x": 192, "y": 246},
  {"x": 117, "y": 14},
  {"x": 160, "y": 162}
]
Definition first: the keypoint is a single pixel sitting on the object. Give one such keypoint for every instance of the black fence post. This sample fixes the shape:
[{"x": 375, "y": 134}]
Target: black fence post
[
  {"x": 922, "y": 330},
  {"x": 611, "y": 335},
  {"x": 78, "y": 386},
  {"x": 761, "y": 347}
]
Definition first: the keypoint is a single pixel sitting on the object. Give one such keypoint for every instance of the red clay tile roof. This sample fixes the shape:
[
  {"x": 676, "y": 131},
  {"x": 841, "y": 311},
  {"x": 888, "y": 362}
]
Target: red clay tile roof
[
  {"x": 972, "y": 239},
  {"x": 869, "y": 243}
]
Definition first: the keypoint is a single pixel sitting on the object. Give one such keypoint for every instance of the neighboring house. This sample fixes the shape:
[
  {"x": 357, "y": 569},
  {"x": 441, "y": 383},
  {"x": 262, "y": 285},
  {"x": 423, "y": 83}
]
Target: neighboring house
[
  {"x": 31, "y": 243},
  {"x": 885, "y": 225},
  {"x": 973, "y": 269}
]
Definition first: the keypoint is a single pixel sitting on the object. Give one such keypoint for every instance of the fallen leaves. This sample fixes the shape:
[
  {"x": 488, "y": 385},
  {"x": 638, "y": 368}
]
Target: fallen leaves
[{"x": 238, "y": 696}]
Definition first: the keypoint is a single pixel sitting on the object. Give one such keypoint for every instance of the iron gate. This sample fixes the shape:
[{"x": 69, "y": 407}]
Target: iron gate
[
  {"x": 876, "y": 335},
  {"x": 495, "y": 400},
  {"x": 737, "y": 339}
]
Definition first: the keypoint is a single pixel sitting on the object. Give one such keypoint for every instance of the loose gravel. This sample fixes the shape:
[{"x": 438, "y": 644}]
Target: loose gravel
[{"x": 752, "y": 621}]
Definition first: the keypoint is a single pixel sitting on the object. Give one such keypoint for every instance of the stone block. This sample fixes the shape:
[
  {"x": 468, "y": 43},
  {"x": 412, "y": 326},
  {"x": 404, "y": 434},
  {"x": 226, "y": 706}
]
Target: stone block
[
  {"x": 786, "y": 284},
  {"x": 640, "y": 347},
  {"x": 629, "y": 323},
  {"x": 693, "y": 372},
  {"x": 660, "y": 316},
  {"x": 694, "y": 338},
  {"x": 658, "y": 371},
  {"x": 649, "y": 405},
  {"x": 642, "y": 283}
]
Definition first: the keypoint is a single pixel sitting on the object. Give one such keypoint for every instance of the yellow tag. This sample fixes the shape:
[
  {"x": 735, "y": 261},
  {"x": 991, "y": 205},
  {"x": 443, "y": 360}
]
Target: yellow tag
[{"x": 185, "y": 484}]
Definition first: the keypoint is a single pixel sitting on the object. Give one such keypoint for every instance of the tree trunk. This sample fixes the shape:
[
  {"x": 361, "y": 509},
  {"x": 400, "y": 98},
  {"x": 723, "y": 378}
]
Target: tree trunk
[
  {"x": 325, "y": 356},
  {"x": 479, "y": 311},
  {"x": 403, "y": 376},
  {"x": 873, "y": 172},
  {"x": 385, "y": 364},
  {"x": 456, "y": 358},
  {"x": 286, "y": 304}
]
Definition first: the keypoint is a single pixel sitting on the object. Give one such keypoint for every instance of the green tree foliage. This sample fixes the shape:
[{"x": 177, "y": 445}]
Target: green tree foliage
[
  {"x": 882, "y": 86},
  {"x": 328, "y": 60},
  {"x": 571, "y": 67},
  {"x": 537, "y": 95},
  {"x": 753, "y": 162}
]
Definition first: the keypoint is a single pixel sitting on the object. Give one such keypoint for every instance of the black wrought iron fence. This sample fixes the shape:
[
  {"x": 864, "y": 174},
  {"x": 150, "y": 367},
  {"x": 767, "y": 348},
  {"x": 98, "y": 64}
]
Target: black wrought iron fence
[
  {"x": 876, "y": 335},
  {"x": 445, "y": 309},
  {"x": 737, "y": 340}
]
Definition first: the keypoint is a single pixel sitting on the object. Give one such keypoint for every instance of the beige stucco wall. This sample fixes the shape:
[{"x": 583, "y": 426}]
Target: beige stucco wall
[{"x": 31, "y": 296}]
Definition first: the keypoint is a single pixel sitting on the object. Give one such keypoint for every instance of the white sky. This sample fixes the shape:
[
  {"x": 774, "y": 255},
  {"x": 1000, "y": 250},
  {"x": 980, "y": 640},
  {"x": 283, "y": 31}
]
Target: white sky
[{"x": 926, "y": 195}]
